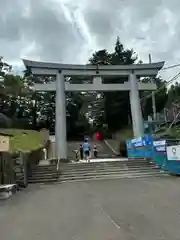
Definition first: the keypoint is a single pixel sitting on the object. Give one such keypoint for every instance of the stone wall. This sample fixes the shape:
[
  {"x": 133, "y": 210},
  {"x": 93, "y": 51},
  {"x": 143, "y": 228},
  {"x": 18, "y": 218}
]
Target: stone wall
[{"x": 29, "y": 159}]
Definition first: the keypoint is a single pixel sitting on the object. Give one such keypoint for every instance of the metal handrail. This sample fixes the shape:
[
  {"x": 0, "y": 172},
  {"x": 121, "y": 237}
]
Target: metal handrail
[{"x": 57, "y": 167}]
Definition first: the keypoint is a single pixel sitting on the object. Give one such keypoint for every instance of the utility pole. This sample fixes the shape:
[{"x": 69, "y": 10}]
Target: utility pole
[
  {"x": 154, "y": 106},
  {"x": 153, "y": 97},
  {"x": 150, "y": 58}
]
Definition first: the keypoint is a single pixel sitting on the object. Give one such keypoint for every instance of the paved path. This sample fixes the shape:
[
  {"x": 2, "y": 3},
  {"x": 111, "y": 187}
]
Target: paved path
[
  {"x": 140, "y": 209},
  {"x": 114, "y": 144},
  {"x": 103, "y": 150}
]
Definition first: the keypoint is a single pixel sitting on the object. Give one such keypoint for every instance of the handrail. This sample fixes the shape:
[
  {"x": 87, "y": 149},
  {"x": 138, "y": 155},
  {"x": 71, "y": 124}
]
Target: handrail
[{"x": 57, "y": 167}]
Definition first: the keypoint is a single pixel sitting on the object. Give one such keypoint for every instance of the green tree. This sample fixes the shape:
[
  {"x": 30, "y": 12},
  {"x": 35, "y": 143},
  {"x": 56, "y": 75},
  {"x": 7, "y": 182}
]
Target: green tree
[
  {"x": 161, "y": 97},
  {"x": 35, "y": 109},
  {"x": 45, "y": 105},
  {"x": 116, "y": 104},
  {"x": 174, "y": 94},
  {"x": 100, "y": 57},
  {"x": 122, "y": 56}
]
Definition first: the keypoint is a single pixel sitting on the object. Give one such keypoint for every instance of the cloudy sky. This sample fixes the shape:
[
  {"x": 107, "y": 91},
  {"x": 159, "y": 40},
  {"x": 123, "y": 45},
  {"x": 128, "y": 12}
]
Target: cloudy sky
[{"x": 68, "y": 31}]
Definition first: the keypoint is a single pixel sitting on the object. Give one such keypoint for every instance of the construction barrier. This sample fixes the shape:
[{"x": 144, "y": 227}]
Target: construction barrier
[
  {"x": 164, "y": 153},
  {"x": 140, "y": 147},
  {"x": 173, "y": 156},
  {"x": 159, "y": 153}
]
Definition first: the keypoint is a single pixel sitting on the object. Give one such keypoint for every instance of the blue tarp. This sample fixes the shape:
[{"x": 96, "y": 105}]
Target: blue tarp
[
  {"x": 159, "y": 153},
  {"x": 145, "y": 147},
  {"x": 140, "y": 147}
]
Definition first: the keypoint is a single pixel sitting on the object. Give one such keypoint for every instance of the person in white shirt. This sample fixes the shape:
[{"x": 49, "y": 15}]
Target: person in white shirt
[{"x": 95, "y": 151}]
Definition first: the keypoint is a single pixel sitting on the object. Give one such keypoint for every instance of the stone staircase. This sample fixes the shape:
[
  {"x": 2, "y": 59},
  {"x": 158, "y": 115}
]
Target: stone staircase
[
  {"x": 108, "y": 170},
  {"x": 43, "y": 174},
  {"x": 95, "y": 170},
  {"x": 103, "y": 150}
]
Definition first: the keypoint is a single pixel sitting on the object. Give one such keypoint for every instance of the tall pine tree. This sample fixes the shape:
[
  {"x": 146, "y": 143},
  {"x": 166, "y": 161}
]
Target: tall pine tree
[{"x": 116, "y": 104}]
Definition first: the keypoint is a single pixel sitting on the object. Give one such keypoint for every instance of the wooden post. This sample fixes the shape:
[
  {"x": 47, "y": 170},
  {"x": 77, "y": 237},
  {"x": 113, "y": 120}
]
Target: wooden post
[
  {"x": 2, "y": 168},
  {"x": 4, "y": 147}
]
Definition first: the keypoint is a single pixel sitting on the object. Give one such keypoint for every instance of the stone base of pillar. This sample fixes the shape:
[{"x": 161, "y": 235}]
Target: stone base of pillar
[
  {"x": 64, "y": 160},
  {"x": 55, "y": 161}
]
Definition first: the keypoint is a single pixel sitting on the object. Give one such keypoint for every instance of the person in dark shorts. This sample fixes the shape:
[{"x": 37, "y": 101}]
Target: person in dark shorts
[
  {"x": 86, "y": 149},
  {"x": 95, "y": 151},
  {"x": 81, "y": 151}
]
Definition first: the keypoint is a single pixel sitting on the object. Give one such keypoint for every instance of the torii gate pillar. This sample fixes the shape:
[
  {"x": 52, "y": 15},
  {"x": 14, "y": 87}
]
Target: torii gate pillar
[
  {"x": 136, "y": 112},
  {"x": 60, "y": 124}
]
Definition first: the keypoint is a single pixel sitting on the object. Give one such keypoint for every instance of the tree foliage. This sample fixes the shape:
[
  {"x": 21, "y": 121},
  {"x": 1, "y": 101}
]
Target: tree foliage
[
  {"x": 30, "y": 109},
  {"x": 116, "y": 104},
  {"x": 161, "y": 97},
  {"x": 174, "y": 94}
]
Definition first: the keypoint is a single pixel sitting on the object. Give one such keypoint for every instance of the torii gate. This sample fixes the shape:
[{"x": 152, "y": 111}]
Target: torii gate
[{"x": 60, "y": 86}]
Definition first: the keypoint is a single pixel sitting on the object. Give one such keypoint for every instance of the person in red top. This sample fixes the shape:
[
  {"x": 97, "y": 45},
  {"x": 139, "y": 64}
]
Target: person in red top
[{"x": 98, "y": 136}]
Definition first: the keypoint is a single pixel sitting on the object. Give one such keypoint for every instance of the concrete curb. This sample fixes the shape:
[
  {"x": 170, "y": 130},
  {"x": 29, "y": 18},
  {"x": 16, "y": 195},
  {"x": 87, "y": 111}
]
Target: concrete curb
[{"x": 110, "y": 147}]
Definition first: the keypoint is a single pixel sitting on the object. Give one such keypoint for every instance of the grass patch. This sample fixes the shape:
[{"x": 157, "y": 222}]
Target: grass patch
[
  {"x": 174, "y": 132},
  {"x": 23, "y": 140}
]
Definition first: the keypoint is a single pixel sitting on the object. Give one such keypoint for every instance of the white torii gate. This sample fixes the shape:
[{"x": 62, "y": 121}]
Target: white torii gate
[{"x": 60, "y": 86}]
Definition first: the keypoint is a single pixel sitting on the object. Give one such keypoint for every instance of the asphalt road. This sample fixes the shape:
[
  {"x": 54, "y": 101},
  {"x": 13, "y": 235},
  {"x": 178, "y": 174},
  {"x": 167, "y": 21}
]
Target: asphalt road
[{"x": 138, "y": 209}]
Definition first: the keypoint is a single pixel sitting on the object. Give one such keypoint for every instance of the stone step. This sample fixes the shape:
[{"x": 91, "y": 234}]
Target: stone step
[
  {"x": 88, "y": 166},
  {"x": 43, "y": 171},
  {"x": 116, "y": 163},
  {"x": 55, "y": 179},
  {"x": 104, "y": 167},
  {"x": 96, "y": 177},
  {"x": 84, "y": 173},
  {"x": 54, "y": 174},
  {"x": 92, "y": 168},
  {"x": 107, "y": 173},
  {"x": 113, "y": 176},
  {"x": 43, "y": 167},
  {"x": 40, "y": 180},
  {"x": 69, "y": 171},
  {"x": 104, "y": 160},
  {"x": 92, "y": 171}
]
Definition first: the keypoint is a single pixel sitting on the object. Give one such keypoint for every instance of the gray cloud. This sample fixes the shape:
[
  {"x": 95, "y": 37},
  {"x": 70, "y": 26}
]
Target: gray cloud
[
  {"x": 103, "y": 19},
  {"x": 52, "y": 33},
  {"x": 68, "y": 31}
]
